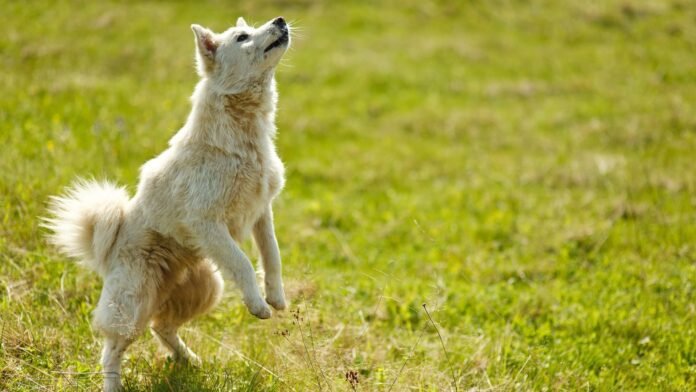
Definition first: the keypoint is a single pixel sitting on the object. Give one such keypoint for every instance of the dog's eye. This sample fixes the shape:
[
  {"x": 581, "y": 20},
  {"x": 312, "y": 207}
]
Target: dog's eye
[{"x": 242, "y": 37}]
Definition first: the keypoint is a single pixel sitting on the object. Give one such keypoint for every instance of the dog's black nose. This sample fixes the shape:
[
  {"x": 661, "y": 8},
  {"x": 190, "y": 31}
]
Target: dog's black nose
[{"x": 280, "y": 22}]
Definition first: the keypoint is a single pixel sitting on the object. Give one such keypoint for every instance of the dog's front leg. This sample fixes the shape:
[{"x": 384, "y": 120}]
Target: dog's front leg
[
  {"x": 264, "y": 236},
  {"x": 216, "y": 242}
]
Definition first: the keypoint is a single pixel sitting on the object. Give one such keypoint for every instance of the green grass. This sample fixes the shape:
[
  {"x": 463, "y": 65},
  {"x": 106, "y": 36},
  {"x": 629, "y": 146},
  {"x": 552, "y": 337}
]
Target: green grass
[{"x": 525, "y": 168}]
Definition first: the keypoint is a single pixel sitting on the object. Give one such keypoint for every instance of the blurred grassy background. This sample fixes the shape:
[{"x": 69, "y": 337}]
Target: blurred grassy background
[{"x": 525, "y": 168}]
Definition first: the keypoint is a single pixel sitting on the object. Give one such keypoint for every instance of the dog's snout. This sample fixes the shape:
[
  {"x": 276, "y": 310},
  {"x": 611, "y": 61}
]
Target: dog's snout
[{"x": 280, "y": 22}]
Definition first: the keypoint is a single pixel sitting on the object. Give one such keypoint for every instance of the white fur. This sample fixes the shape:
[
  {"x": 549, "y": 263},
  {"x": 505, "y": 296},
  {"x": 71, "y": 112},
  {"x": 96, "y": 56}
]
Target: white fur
[
  {"x": 86, "y": 221},
  {"x": 159, "y": 252}
]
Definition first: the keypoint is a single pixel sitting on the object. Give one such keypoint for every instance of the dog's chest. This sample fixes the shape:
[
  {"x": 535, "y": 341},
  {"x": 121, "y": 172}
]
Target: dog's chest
[{"x": 256, "y": 180}]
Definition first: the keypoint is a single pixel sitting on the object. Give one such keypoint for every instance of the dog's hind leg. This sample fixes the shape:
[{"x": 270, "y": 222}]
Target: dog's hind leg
[
  {"x": 168, "y": 337},
  {"x": 196, "y": 294},
  {"x": 124, "y": 308},
  {"x": 114, "y": 347}
]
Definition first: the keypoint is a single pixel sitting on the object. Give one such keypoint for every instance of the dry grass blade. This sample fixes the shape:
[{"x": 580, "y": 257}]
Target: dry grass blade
[
  {"x": 442, "y": 342},
  {"x": 246, "y": 358}
]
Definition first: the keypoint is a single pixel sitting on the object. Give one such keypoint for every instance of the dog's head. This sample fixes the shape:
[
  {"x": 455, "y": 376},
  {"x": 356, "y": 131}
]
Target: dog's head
[{"x": 243, "y": 55}]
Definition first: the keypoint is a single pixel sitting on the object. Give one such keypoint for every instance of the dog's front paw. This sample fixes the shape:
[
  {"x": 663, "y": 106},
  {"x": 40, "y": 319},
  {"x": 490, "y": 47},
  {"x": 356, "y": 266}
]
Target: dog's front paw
[
  {"x": 277, "y": 300},
  {"x": 259, "y": 309}
]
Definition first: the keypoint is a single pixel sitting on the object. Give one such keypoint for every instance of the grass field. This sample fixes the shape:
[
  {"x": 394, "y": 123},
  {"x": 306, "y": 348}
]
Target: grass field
[{"x": 526, "y": 169}]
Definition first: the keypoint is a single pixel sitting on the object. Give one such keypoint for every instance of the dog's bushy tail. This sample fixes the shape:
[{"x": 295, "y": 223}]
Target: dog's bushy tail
[{"x": 85, "y": 221}]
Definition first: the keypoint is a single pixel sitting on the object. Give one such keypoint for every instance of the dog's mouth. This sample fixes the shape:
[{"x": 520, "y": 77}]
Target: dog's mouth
[{"x": 284, "y": 38}]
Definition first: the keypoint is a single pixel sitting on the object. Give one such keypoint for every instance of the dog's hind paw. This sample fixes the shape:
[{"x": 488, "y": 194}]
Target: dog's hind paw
[
  {"x": 112, "y": 385},
  {"x": 188, "y": 358},
  {"x": 195, "y": 361}
]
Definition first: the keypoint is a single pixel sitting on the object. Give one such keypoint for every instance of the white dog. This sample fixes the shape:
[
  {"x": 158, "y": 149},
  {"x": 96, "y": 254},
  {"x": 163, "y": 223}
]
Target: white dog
[{"x": 159, "y": 252}]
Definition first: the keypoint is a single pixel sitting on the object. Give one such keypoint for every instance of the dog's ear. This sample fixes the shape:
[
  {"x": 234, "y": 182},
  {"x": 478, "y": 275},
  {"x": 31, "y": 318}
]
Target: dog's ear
[
  {"x": 241, "y": 22},
  {"x": 206, "y": 46}
]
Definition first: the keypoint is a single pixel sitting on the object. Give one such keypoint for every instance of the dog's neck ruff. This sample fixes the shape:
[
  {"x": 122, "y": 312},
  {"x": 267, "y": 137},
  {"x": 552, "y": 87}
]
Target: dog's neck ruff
[{"x": 223, "y": 120}]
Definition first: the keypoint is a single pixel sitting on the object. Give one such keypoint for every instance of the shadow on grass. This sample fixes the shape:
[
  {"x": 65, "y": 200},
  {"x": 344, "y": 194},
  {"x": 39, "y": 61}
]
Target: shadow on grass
[{"x": 210, "y": 377}]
